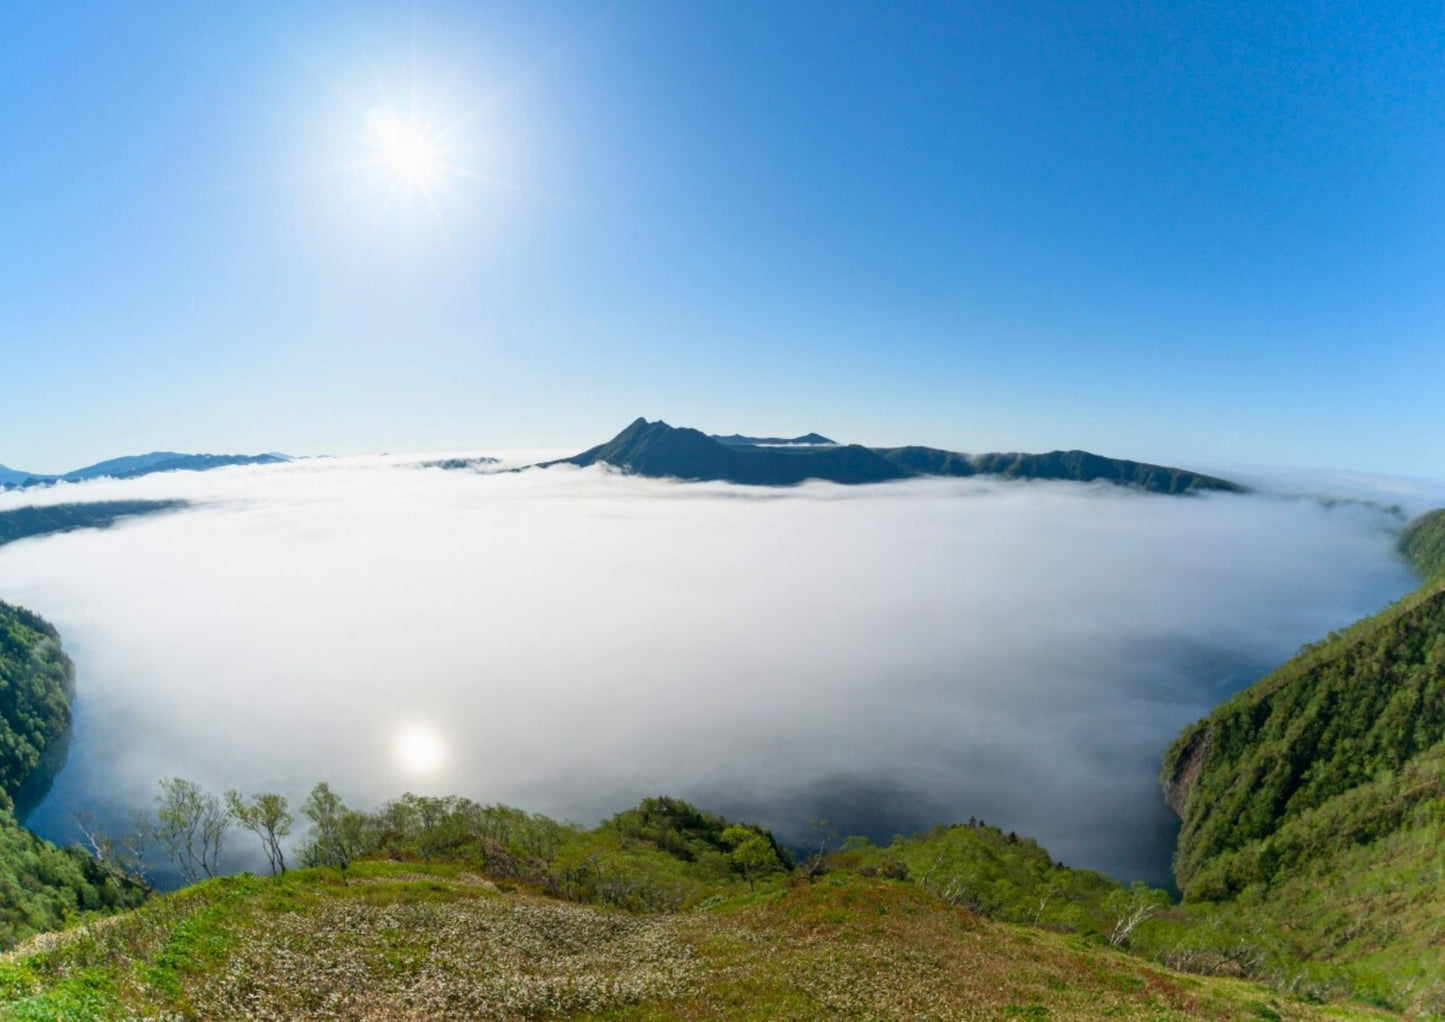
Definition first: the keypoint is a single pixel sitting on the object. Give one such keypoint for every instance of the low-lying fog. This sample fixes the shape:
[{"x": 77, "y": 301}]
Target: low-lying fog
[{"x": 884, "y": 656}]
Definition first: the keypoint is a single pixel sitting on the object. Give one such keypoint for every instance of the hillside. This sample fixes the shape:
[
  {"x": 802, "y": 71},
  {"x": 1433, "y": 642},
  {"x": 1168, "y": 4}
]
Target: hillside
[
  {"x": 445, "y": 908},
  {"x": 475, "y": 934},
  {"x": 25, "y": 522},
  {"x": 166, "y": 461},
  {"x": 1341, "y": 714},
  {"x": 131, "y": 466},
  {"x": 1423, "y": 544},
  {"x": 36, "y": 686},
  {"x": 1313, "y": 803},
  {"x": 659, "y": 450},
  {"x": 41, "y": 886}
]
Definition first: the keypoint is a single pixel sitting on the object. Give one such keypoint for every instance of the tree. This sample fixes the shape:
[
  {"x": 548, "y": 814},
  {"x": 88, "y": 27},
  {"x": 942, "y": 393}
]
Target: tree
[
  {"x": 123, "y": 858},
  {"x": 821, "y": 834},
  {"x": 397, "y": 821},
  {"x": 265, "y": 816},
  {"x": 338, "y": 834},
  {"x": 751, "y": 852},
  {"x": 430, "y": 815},
  {"x": 1132, "y": 906},
  {"x": 191, "y": 825}
]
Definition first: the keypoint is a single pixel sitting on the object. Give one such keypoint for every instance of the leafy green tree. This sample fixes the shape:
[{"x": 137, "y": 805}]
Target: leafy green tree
[
  {"x": 820, "y": 835},
  {"x": 43, "y": 887},
  {"x": 432, "y": 818},
  {"x": 191, "y": 826},
  {"x": 1131, "y": 907},
  {"x": 123, "y": 858},
  {"x": 752, "y": 853},
  {"x": 338, "y": 835},
  {"x": 265, "y": 816}
]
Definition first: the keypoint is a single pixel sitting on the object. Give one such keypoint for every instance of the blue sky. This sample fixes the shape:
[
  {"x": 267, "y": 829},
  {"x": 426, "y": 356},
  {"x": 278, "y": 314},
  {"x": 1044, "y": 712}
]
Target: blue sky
[{"x": 1166, "y": 231}]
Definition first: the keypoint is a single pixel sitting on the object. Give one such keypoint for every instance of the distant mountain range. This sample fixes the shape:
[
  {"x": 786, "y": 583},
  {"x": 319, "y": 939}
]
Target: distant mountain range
[
  {"x": 662, "y": 451},
  {"x": 138, "y": 465}
]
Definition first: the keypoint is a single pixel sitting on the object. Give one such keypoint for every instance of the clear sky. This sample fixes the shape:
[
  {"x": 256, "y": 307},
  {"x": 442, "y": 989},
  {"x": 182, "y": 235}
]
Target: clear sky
[{"x": 1160, "y": 230}]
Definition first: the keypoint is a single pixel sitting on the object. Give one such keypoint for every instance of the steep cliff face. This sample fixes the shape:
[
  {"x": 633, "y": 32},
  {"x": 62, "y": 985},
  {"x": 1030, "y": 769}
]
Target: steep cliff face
[
  {"x": 1183, "y": 765},
  {"x": 1346, "y": 712}
]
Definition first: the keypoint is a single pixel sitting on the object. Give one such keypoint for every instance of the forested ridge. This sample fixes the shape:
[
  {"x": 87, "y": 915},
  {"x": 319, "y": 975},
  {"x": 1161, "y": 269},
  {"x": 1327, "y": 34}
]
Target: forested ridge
[
  {"x": 660, "y": 450},
  {"x": 41, "y": 886},
  {"x": 41, "y": 520},
  {"x": 35, "y": 690},
  {"x": 1423, "y": 543},
  {"x": 1313, "y": 802},
  {"x": 1341, "y": 714}
]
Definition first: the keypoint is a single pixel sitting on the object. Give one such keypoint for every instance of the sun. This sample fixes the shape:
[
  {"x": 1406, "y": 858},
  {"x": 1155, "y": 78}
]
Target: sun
[
  {"x": 419, "y": 749},
  {"x": 405, "y": 150}
]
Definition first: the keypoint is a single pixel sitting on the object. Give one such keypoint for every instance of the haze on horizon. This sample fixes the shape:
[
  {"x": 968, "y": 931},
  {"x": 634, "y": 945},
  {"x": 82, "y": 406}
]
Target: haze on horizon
[{"x": 1175, "y": 233}]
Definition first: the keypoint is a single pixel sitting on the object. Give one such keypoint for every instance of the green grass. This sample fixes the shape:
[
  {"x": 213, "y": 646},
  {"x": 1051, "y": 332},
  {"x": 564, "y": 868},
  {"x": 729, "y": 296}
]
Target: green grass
[{"x": 412, "y": 941}]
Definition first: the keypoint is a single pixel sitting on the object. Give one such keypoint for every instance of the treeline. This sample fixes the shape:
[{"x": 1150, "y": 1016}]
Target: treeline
[
  {"x": 663, "y": 855},
  {"x": 667, "y": 855}
]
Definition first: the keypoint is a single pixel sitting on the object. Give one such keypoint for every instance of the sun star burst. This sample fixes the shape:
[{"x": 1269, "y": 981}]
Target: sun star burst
[{"x": 405, "y": 150}]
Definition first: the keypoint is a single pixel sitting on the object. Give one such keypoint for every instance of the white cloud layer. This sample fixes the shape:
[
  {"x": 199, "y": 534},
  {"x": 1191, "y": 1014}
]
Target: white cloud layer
[{"x": 886, "y": 656}]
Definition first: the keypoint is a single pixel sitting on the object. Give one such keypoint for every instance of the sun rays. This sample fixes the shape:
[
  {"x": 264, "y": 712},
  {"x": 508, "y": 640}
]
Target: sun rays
[{"x": 404, "y": 150}]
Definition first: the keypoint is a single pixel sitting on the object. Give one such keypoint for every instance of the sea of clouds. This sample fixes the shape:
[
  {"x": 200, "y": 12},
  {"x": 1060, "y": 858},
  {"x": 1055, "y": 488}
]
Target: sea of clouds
[{"x": 884, "y": 656}]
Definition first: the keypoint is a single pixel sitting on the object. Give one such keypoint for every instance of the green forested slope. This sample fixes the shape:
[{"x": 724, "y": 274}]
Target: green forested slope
[
  {"x": 1341, "y": 714},
  {"x": 41, "y": 886},
  {"x": 35, "y": 683},
  {"x": 25, "y": 522},
  {"x": 1313, "y": 807},
  {"x": 1423, "y": 543}
]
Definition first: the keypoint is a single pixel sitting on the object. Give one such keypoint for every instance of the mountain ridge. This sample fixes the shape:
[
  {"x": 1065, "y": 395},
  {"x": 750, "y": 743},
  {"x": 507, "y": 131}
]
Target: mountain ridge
[
  {"x": 659, "y": 450},
  {"x": 134, "y": 465}
]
